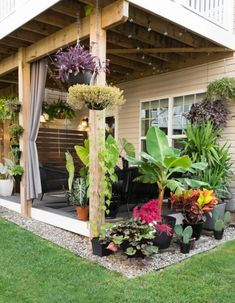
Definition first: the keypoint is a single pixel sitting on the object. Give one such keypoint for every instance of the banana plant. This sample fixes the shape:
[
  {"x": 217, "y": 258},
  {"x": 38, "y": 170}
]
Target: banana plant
[{"x": 161, "y": 162}]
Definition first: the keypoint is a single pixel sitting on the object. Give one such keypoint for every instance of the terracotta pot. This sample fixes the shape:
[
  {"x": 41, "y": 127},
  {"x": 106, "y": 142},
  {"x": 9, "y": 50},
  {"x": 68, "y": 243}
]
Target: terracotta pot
[{"x": 83, "y": 213}]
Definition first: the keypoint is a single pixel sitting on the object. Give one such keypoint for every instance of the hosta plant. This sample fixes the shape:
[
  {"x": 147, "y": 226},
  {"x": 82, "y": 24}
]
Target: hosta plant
[
  {"x": 133, "y": 237},
  {"x": 194, "y": 204}
]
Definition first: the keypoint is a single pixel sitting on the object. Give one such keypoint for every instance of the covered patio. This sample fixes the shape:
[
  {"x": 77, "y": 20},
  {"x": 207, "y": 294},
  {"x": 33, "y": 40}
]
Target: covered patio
[{"x": 139, "y": 43}]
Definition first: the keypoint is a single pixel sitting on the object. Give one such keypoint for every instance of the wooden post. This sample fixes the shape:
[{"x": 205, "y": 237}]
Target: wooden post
[
  {"x": 24, "y": 98},
  {"x": 96, "y": 129}
]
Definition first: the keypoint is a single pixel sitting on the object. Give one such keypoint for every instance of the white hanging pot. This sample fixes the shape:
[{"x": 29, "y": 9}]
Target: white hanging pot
[{"x": 6, "y": 187}]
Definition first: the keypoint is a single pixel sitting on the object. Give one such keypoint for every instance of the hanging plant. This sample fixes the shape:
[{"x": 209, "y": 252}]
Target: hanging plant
[
  {"x": 95, "y": 97},
  {"x": 221, "y": 89},
  {"x": 74, "y": 62},
  {"x": 58, "y": 110},
  {"x": 12, "y": 104},
  {"x": 16, "y": 131}
]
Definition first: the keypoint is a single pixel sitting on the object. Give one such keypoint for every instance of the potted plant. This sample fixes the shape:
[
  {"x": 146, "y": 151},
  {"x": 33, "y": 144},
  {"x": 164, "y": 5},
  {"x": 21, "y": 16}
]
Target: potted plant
[
  {"x": 15, "y": 154},
  {"x": 220, "y": 224},
  {"x": 185, "y": 235},
  {"x": 194, "y": 204},
  {"x": 132, "y": 237},
  {"x": 6, "y": 180},
  {"x": 150, "y": 213},
  {"x": 17, "y": 171},
  {"x": 12, "y": 104},
  {"x": 162, "y": 162},
  {"x": 16, "y": 131},
  {"x": 74, "y": 65},
  {"x": 78, "y": 196},
  {"x": 95, "y": 97},
  {"x": 58, "y": 110},
  {"x": 221, "y": 89}
]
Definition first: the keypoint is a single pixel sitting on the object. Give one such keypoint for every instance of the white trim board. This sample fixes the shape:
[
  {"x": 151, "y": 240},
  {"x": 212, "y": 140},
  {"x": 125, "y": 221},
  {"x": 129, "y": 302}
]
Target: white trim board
[{"x": 10, "y": 205}]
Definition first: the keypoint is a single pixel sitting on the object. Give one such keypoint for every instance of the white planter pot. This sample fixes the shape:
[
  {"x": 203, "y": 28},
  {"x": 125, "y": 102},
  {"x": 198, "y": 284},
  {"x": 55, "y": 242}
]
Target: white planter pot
[{"x": 6, "y": 187}]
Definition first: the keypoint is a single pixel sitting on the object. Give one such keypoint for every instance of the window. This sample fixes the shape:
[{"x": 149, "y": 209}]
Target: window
[{"x": 167, "y": 114}]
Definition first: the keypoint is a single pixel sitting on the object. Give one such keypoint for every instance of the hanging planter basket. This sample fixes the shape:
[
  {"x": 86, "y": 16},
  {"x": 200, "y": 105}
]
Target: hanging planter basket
[
  {"x": 83, "y": 77},
  {"x": 95, "y": 97}
]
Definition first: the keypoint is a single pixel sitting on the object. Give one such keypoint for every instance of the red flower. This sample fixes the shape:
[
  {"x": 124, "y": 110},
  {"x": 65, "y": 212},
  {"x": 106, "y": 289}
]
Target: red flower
[
  {"x": 148, "y": 212},
  {"x": 163, "y": 228}
]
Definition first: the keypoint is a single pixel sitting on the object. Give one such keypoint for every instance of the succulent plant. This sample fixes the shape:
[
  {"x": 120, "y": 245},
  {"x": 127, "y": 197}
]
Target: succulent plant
[
  {"x": 220, "y": 223},
  {"x": 185, "y": 234}
]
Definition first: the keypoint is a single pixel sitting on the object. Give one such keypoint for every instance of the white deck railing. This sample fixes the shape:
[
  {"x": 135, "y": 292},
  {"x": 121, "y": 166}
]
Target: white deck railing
[
  {"x": 218, "y": 11},
  {"x": 7, "y": 7}
]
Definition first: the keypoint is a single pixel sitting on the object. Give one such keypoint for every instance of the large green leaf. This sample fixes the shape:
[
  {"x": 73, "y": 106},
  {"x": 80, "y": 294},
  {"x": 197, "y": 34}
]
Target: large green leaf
[
  {"x": 128, "y": 147},
  {"x": 70, "y": 168},
  {"x": 193, "y": 183},
  {"x": 83, "y": 152},
  {"x": 180, "y": 162},
  {"x": 157, "y": 144},
  {"x": 175, "y": 186}
]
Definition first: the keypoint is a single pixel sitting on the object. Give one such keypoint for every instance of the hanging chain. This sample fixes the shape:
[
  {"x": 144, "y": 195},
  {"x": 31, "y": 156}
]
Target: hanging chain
[{"x": 78, "y": 24}]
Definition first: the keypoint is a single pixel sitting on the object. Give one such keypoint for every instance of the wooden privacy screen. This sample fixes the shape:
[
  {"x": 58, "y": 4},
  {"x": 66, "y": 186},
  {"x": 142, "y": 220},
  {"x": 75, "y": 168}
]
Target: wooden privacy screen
[{"x": 52, "y": 143}]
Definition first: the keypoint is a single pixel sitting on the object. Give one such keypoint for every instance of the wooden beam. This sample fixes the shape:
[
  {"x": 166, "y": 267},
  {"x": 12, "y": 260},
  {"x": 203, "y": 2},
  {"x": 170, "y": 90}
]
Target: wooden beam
[
  {"x": 55, "y": 19},
  {"x": 40, "y": 28},
  {"x": 24, "y": 98},
  {"x": 126, "y": 63},
  {"x": 170, "y": 50},
  {"x": 62, "y": 38},
  {"x": 164, "y": 27},
  {"x": 96, "y": 132},
  {"x": 115, "y": 14},
  {"x": 67, "y": 7},
  {"x": 25, "y": 35},
  {"x": 8, "y": 64}
]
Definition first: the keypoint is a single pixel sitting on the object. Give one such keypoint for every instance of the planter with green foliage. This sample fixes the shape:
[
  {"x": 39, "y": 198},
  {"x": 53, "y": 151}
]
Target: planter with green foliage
[
  {"x": 220, "y": 224},
  {"x": 161, "y": 162},
  {"x": 17, "y": 171},
  {"x": 58, "y": 110},
  {"x": 95, "y": 97},
  {"x": 6, "y": 178},
  {"x": 127, "y": 150},
  {"x": 133, "y": 237},
  {"x": 185, "y": 235},
  {"x": 16, "y": 131}
]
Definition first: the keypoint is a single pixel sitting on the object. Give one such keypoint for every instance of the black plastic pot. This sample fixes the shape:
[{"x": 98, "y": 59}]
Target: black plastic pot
[
  {"x": 197, "y": 229},
  {"x": 80, "y": 78},
  {"x": 210, "y": 222},
  {"x": 163, "y": 241},
  {"x": 218, "y": 234},
  {"x": 99, "y": 249},
  {"x": 17, "y": 178},
  {"x": 185, "y": 248}
]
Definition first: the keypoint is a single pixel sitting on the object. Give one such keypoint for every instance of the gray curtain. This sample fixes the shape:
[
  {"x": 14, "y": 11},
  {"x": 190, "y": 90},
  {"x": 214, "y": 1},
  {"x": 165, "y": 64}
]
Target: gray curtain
[{"x": 37, "y": 87}]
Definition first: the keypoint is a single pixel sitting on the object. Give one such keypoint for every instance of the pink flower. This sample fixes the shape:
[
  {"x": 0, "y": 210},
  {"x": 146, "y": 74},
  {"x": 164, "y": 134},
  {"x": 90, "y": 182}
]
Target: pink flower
[
  {"x": 148, "y": 212},
  {"x": 112, "y": 247},
  {"x": 163, "y": 228}
]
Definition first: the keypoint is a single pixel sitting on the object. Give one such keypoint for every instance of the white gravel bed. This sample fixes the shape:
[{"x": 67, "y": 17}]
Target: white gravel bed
[{"x": 131, "y": 268}]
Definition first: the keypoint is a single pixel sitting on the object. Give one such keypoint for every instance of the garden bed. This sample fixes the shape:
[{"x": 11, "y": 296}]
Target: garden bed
[{"x": 129, "y": 267}]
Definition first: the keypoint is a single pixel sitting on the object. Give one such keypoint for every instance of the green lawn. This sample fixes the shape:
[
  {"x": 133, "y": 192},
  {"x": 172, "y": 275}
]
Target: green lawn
[{"x": 34, "y": 270}]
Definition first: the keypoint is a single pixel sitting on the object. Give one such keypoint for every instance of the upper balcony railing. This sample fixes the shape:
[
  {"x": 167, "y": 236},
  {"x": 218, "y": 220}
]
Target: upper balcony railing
[
  {"x": 7, "y": 7},
  {"x": 219, "y": 12}
]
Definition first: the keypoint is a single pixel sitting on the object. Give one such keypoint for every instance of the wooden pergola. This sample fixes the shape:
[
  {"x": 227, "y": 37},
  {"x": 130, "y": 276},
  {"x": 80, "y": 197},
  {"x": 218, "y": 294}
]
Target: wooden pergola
[{"x": 138, "y": 44}]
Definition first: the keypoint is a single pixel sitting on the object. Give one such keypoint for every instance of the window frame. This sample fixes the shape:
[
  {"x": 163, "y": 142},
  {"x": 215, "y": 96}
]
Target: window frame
[{"x": 170, "y": 98}]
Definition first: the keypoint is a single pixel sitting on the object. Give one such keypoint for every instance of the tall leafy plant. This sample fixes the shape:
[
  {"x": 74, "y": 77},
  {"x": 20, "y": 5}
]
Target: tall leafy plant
[
  {"x": 202, "y": 145},
  {"x": 161, "y": 162}
]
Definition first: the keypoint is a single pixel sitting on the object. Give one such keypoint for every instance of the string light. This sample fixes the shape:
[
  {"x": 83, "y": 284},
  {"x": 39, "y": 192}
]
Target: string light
[
  {"x": 138, "y": 48},
  {"x": 180, "y": 34},
  {"x": 149, "y": 27},
  {"x": 131, "y": 20},
  {"x": 165, "y": 33},
  {"x": 129, "y": 36},
  {"x": 143, "y": 57}
]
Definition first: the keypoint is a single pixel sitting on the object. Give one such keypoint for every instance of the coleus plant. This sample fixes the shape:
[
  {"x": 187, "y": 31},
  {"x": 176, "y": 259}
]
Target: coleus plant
[{"x": 194, "y": 204}]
